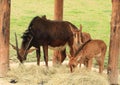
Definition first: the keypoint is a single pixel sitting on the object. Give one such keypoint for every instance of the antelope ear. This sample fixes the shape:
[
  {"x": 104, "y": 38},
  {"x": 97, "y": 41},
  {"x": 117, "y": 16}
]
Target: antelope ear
[
  {"x": 14, "y": 47},
  {"x": 31, "y": 50},
  {"x": 80, "y": 27}
]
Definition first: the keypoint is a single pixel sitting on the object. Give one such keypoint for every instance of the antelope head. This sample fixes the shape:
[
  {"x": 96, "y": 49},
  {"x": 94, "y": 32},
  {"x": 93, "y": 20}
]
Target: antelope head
[
  {"x": 22, "y": 53},
  {"x": 72, "y": 63}
]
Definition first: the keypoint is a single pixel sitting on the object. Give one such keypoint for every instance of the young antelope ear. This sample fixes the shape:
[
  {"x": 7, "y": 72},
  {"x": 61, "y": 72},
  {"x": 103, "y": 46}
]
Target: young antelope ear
[
  {"x": 31, "y": 50},
  {"x": 80, "y": 27}
]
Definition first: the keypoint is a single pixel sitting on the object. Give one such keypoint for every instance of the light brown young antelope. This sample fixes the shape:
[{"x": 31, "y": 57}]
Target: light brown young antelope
[{"x": 91, "y": 49}]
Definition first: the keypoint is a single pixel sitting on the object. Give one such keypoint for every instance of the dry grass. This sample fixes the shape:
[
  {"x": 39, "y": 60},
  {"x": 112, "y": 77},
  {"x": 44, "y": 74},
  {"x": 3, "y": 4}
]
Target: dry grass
[{"x": 59, "y": 75}]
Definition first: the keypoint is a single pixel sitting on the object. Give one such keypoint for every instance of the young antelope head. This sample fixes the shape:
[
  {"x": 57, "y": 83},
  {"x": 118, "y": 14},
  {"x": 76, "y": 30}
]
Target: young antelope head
[{"x": 72, "y": 63}]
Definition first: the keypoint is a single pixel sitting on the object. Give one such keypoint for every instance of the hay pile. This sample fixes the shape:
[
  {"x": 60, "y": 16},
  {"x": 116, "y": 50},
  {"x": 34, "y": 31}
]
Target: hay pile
[{"x": 59, "y": 75}]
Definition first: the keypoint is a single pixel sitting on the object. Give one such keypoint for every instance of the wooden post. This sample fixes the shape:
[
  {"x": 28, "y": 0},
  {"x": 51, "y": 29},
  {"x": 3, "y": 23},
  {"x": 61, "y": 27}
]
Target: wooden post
[
  {"x": 59, "y": 56},
  {"x": 58, "y": 10},
  {"x": 4, "y": 36},
  {"x": 114, "y": 50}
]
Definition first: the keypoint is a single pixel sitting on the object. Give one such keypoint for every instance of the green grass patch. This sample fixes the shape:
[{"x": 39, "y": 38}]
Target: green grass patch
[{"x": 94, "y": 15}]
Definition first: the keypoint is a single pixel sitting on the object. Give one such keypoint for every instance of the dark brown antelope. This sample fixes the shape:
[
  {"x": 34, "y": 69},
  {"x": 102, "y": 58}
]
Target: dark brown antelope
[{"x": 46, "y": 33}]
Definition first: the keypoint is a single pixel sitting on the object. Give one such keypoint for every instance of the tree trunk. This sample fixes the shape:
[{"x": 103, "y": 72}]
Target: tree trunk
[
  {"x": 114, "y": 50},
  {"x": 4, "y": 36},
  {"x": 58, "y": 10},
  {"x": 59, "y": 56}
]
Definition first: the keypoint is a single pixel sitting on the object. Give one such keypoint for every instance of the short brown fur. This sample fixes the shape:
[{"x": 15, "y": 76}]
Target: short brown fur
[{"x": 92, "y": 49}]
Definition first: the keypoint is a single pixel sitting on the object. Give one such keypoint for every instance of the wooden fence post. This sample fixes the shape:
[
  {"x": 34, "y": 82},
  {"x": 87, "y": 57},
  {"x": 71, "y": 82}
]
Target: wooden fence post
[
  {"x": 114, "y": 50},
  {"x": 4, "y": 36}
]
